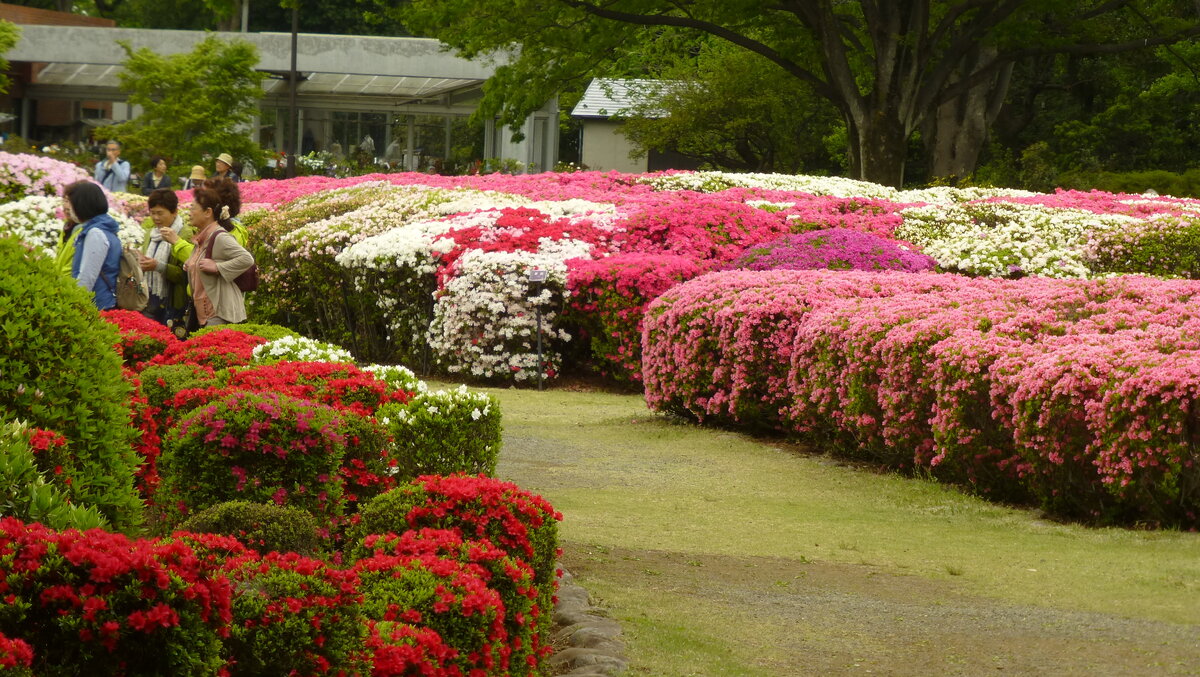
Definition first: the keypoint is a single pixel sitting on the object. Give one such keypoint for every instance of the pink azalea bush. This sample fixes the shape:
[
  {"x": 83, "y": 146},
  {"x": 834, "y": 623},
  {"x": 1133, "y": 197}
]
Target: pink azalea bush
[
  {"x": 23, "y": 175},
  {"x": 1077, "y": 395}
]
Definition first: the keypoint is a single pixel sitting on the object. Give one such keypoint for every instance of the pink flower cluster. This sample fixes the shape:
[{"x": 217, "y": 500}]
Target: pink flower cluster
[
  {"x": 1080, "y": 395},
  {"x": 23, "y": 175}
]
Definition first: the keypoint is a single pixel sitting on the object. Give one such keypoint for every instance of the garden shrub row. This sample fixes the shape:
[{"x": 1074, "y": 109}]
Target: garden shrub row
[
  {"x": 1075, "y": 394},
  {"x": 471, "y": 596}
]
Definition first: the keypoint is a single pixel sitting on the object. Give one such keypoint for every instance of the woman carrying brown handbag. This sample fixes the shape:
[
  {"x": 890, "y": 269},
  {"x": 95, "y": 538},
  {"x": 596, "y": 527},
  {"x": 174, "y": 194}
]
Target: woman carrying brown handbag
[{"x": 215, "y": 262}]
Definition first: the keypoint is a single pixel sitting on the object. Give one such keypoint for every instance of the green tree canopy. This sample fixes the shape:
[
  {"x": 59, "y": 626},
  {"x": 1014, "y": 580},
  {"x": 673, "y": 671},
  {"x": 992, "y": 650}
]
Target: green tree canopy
[
  {"x": 195, "y": 104},
  {"x": 732, "y": 109},
  {"x": 9, "y": 34},
  {"x": 941, "y": 67}
]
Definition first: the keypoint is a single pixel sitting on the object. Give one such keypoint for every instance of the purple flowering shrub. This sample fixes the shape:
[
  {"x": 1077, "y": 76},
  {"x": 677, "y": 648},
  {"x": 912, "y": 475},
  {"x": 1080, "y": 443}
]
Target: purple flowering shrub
[{"x": 833, "y": 249}]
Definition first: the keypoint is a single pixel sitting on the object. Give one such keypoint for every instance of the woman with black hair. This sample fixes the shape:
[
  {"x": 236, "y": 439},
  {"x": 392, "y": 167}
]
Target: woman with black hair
[
  {"x": 157, "y": 176},
  {"x": 215, "y": 262},
  {"x": 162, "y": 270},
  {"x": 97, "y": 257}
]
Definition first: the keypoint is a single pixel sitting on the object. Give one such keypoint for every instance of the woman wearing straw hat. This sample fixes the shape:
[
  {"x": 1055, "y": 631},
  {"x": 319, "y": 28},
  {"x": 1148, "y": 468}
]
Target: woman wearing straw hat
[
  {"x": 196, "y": 178},
  {"x": 225, "y": 168}
]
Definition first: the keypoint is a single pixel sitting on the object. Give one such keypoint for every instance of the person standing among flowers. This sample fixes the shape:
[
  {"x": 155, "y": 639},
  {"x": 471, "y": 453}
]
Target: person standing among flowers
[
  {"x": 216, "y": 260},
  {"x": 97, "y": 257},
  {"x": 157, "y": 176},
  {"x": 112, "y": 172},
  {"x": 163, "y": 272}
]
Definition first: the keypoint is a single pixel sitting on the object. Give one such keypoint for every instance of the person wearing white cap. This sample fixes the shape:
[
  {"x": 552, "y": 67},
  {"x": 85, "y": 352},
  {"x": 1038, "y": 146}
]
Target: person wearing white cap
[{"x": 224, "y": 166}]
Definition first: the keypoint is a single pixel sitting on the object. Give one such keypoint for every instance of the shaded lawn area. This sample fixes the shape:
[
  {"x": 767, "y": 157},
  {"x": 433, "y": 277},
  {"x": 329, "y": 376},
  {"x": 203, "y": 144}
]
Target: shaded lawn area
[{"x": 725, "y": 555}]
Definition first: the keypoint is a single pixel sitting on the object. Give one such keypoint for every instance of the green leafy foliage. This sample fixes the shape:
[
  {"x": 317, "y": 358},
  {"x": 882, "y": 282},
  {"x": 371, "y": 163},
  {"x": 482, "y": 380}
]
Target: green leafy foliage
[
  {"x": 270, "y": 332},
  {"x": 24, "y": 491},
  {"x": 263, "y": 527},
  {"x": 193, "y": 105},
  {"x": 60, "y": 371},
  {"x": 293, "y": 615},
  {"x": 444, "y": 432},
  {"x": 9, "y": 34}
]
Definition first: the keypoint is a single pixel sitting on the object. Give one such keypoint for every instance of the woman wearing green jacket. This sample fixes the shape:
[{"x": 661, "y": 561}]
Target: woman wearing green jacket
[{"x": 162, "y": 269}]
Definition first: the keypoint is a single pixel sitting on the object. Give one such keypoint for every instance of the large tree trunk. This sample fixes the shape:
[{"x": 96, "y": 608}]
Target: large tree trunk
[
  {"x": 878, "y": 148},
  {"x": 956, "y": 133}
]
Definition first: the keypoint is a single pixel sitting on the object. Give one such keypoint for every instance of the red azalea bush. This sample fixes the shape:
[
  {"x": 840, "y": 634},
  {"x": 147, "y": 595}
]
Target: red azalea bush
[
  {"x": 398, "y": 649},
  {"x": 255, "y": 447},
  {"x": 701, "y": 227},
  {"x": 293, "y": 615},
  {"x": 1069, "y": 393},
  {"x": 219, "y": 349},
  {"x": 608, "y": 298},
  {"x": 342, "y": 386},
  {"x": 141, "y": 337},
  {"x": 522, "y": 524},
  {"x": 16, "y": 657},
  {"x": 447, "y": 596},
  {"x": 511, "y": 578},
  {"x": 92, "y": 602}
]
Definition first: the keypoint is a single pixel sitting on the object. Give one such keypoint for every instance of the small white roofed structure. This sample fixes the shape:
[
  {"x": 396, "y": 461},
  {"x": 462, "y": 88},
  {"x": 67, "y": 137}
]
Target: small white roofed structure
[{"x": 601, "y": 110}]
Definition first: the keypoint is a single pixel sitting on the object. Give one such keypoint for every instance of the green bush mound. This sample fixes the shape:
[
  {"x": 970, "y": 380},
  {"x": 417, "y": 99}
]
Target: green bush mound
[
  {"x": 262, "y": 527},
  {"x": 59, "y": 371},
  {"x": 270, "y": 332},
  {"x": 444, "y": 432},
  {"x": 1186, "y": 184},
  {"x": 161, "y": 382}
]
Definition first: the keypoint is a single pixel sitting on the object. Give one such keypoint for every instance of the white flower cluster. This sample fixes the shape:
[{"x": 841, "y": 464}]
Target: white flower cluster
[
  {"x": 1000, "y": 239},
  {"x": 457, "y": 404},
  {"x": 485, "y": 319},
  {"x": 37, "y": 220},
  {"x": 299, "y": 349},
  {"x": 397, "y": 377},
  {"x": 709, "y": 182},
  {"x": 131, "y": 233},
  {"x": 332, "y": 235}
]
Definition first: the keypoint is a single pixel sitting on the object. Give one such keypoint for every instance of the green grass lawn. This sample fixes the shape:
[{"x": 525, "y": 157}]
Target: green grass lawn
[{"x": 669, "y": 523}]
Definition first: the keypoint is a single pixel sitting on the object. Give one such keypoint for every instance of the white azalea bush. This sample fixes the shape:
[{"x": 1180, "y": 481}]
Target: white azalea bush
[
  {"x": 299, "y": 349},
  {"x": 1000, "y": 239},
  {"x": 397, "y": 377},
  {"x": 485, "y": 318},
  {"x": 442, "y": 432},
  {"x": 37, "y": 220}
]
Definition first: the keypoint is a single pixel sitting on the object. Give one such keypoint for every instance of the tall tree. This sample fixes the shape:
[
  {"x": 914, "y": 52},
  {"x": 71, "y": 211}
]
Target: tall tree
[
  {"x": 195, "y": 104},
  {"x": 890, "y": 67},
  {"x": 732, "y": 109},
  {"x": 9, "y": 34}
]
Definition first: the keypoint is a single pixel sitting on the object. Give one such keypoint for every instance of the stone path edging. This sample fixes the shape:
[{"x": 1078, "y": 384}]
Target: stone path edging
[{"x": 591, "y": 639}]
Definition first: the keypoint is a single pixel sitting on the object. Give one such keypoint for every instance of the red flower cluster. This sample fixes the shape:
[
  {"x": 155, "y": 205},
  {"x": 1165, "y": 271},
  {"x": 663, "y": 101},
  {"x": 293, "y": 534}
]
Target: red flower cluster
[
  {"x": 15, "y": 654},
  {"x": 141, "y": 337},
  {"x": 218, "y": 349}
]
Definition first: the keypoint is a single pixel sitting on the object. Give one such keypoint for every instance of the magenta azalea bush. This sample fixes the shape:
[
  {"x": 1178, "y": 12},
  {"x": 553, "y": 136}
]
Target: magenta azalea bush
[{"x": 833, "y": 249}]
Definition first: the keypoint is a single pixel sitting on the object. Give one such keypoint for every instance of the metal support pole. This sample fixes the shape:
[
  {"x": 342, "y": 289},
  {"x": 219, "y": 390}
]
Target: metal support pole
[
  {"x": 539, "y": 346},
  {"x": 292, "y": 77}
]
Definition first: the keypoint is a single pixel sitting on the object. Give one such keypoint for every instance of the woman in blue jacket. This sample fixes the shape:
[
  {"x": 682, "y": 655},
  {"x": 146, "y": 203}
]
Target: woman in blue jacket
[{"x": 97, "y": 247}]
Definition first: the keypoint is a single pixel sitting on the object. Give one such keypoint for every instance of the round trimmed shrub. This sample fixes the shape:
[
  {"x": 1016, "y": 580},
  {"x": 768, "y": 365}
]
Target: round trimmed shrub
[
  {"x": 512, "y": 578},
  {"x": 446, "y": 595},
  {"x": 255, "y": 447},
  {"x": 263, "y": 527},
  {"x": 834, "y": 249},
  {"x": 444, "y": 432},
  {"x": 524, "y": 525},
  {"x": 94, "y": 602},
  {"x": 59, "y": 371},
  {"x": 293, "y": 615},
  {"x": 160, "y": 383}
]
